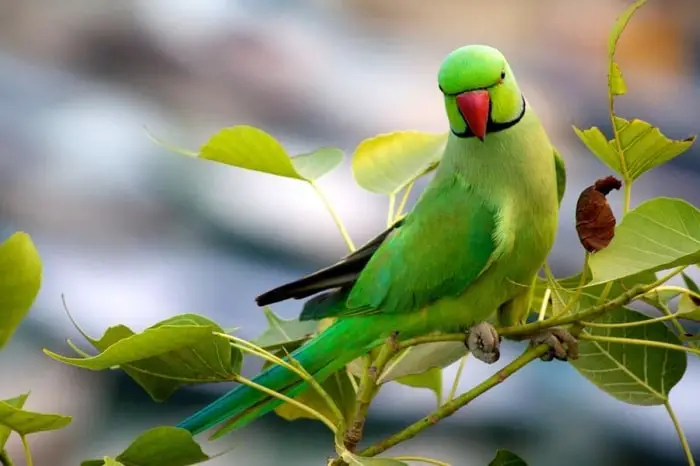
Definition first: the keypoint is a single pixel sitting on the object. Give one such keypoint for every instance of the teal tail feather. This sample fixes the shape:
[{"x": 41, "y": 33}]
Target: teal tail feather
[{"x": 328, "y": 352}]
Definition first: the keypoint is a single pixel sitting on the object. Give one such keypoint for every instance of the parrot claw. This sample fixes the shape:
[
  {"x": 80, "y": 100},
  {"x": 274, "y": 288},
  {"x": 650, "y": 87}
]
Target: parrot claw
[
  {"x": 484, "y": 342},
  {"x": 563, "y": 346}
]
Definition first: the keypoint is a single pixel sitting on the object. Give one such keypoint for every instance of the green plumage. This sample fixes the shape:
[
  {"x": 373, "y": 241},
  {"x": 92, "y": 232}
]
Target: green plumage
[{"x": 468, "y": 252}]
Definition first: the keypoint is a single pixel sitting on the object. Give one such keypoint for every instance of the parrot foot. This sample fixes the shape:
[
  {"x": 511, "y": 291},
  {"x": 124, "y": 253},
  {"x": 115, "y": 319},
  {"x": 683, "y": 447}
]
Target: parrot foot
[
  {"x": 484, "y": 342},
  {"x": 563, "y": 346}
]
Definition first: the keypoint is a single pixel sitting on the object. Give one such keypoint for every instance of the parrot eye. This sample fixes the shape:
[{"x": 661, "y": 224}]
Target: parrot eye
[{"x": 503, "y": 74}]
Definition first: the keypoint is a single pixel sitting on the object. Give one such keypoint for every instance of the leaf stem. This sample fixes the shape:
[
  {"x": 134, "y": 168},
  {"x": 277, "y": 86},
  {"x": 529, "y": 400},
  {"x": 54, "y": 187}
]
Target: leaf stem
[
  {"x": 421, "y": 459},
  {"x": 634, "y": 341},
  {"x": 629, "y": 324},
  {"x": 681, "y": 434},
  {"x": 242, "y": 380},
  {"x": 404, "y": 199},
  {"x": 679, "y": 289},
  {"x": 579, "y": 289},
  {"x": 390, "y": 214},
  {"x": 545, "y": 303},
  {"x": 451, "y": 407},
  {"x": 336, "y": 218},
  {"x": 27, "y": 452},
  {"x": 458, "y": 375},
  {"x": 5, "y": 459}
]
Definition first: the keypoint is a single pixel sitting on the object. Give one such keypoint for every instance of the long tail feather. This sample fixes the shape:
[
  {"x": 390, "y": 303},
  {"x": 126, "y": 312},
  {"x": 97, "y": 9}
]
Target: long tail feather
[{"x": 344, "y": 341}]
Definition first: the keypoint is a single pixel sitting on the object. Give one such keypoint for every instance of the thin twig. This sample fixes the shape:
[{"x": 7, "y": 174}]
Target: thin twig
[
  {"x": 404, "y": 199},
  {"x": 634, "y": 341},
  {"x": 336, "y": 218},
  {"x": 451, "y": 407},
  {"x": 27, "y": 452},
  {"x": 368, "y": 389},
  {"x": 420, "y": 459},
  {"x": 458, "y": 375},
  {"x": 681, "y": 435},
  {"x": 637, "y": 323}
]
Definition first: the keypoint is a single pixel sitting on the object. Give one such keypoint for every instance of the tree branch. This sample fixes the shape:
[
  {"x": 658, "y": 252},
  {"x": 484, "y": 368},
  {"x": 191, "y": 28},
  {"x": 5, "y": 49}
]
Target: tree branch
[
  {"x": 451, "y": 407},
  {"x": 368, "y": 389}
]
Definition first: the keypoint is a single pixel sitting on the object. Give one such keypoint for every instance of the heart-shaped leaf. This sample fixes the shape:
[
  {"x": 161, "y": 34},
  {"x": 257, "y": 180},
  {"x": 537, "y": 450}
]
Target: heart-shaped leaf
[
  {"x": 177, "y": 351},
  {"x": 5, "y": 431},
  {"x": 13, "y": 418},
  {"x": 658, "y": 234},
  {"x": 284, "y": 332},
  {"x": 635, "y": 374},
  {"x": 506, "y": 458},
  {"x": 314, "y": 165},
  {"x": 430, "y": 379},
  {"x": 159, "y": 446},
  {"x": 20, "y": 279},
  {"x": 386, "y": 163}
]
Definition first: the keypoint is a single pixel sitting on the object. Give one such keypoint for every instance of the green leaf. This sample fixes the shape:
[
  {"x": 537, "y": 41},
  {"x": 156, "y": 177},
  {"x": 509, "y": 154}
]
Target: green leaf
[
  {"x": 177, "y": 351},
  {"x": 386, "y": 163},
  {"x": 616, "y": 81},
  {"x": 620, "y": 25},
  {"x": 5, "y": 431},
  {"x": 658, "y": 234},
  {"x": 688, "y": 309},
  {"x": 110, "y": 462},
  {"x": 645, "y": 147},
  {"x": 634, "y": 374},
  {"x": 599, "y": 145},
  {"x": 314, "y": 165},
  {"x": 430, "y": 379},
  {"x": 338, "y": 387},
  {"x": 250, "y": 148},
  {"x": 284, "y": 332},
  {"x": 689, "y": 283},
  {"x": 20, "y": 279},
  {"x": 159, "y": 446},
  {"x": 12, "y": 417},
  {"x": 506, "y": 458},
  {"x": 420, "y": 358}
]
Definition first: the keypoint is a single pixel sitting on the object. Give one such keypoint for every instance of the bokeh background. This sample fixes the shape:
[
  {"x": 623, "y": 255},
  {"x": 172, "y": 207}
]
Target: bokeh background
[{"x": 132, "y": 234}]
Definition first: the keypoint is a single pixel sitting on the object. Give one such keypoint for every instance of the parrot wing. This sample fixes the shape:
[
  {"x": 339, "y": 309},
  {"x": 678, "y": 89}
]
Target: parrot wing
[
  {"x": 440, "y": 250},
  {"x": 341, "y": 274}
]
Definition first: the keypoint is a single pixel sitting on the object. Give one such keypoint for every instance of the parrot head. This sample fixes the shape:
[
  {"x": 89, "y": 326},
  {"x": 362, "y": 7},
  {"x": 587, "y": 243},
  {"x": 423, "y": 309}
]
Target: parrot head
[{"x": 481, "y": 94}]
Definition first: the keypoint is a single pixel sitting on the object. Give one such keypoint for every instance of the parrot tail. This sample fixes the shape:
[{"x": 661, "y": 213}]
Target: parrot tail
[{"x": 341, "y": 343}]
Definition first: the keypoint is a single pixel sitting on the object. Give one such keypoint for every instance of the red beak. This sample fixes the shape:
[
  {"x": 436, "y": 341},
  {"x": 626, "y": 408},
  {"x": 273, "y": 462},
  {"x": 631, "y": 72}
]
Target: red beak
[{"x": 474, "y": 106}]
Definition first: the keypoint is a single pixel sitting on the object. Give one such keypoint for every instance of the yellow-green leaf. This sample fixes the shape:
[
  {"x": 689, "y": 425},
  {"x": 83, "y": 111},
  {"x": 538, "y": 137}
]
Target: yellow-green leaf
[
  {"x": 337, "y": 386},
  {"x": 16, "y": 402},
  {"x": 386, "y": 163},
  {"x": 430, "y": 379},
  {"x": 314, "y": 165},
  {"x": 420, "y": 358},
  {"x": 599, "y": 145},
  {"x": 619, "y": 27},
  {"x": 634, "y": 374},
  {"x": 287, "y": 333},
  {"x": 687, "y": 308},
  {"x": 250, "y": 148},
  {"x": 645, "y": 147},
  {"x": 177, "y": 351},
  {"x": 658, "y": 234},
  {"x": 14, "y": 418},
  {"x": 159, "y": 446},
  {"x": 616, "y": 80},
  {"x": 506, "y": 458},
  {"x": 20, "y": 279}
]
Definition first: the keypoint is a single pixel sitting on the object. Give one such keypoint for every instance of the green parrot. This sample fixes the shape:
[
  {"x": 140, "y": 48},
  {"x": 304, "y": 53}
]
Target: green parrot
[{"x": 465, "y": 256}]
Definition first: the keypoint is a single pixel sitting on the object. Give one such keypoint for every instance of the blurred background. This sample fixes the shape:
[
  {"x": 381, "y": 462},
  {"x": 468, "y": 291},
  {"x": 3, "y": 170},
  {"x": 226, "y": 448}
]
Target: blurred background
[{"x": 132, "y": 234}]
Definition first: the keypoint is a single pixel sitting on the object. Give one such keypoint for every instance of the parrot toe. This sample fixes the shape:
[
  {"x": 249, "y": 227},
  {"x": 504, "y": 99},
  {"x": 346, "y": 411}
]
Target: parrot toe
[
  {"x": 484, "y": 342},
  {"x": 563, "y": 346}
]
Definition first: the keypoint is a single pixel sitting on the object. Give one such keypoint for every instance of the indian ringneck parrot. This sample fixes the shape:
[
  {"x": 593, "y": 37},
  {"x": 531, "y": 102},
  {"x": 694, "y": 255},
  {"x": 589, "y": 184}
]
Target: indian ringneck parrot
[{"x": 467, "y": 254}]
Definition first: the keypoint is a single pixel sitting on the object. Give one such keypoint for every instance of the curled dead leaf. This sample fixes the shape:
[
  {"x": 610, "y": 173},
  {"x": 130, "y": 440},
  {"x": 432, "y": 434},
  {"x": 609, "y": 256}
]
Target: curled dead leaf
[{"x": 595, "y": 221}]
